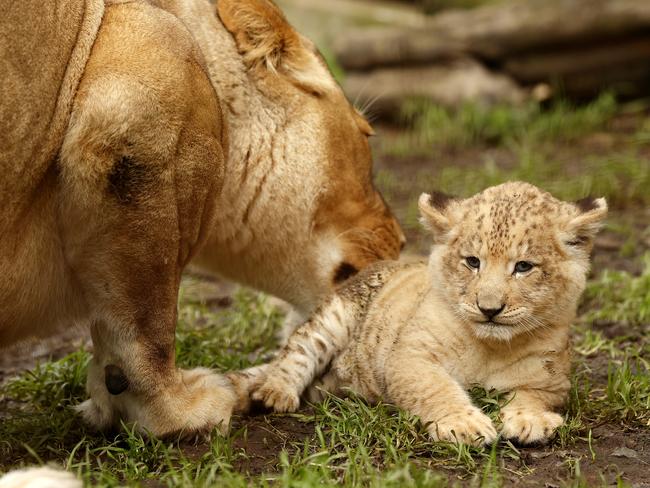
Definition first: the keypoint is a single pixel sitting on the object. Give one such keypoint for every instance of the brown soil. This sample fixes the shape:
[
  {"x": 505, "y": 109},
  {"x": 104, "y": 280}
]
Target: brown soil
[
  {"x": 265, "y": 437},
  {"x": 615, "y": 452}
]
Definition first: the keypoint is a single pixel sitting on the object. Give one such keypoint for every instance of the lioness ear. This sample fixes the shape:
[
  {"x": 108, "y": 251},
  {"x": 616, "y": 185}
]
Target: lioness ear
[
  {"x": 266, "y": 40},
  {"x": 582, "y": 228},
  {"x": 433, "y": 213}
]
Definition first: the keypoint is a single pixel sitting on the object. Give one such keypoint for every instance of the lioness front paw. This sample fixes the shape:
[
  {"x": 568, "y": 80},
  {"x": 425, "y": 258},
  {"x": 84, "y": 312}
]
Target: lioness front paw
[
  {"x": 195, "y": 402},
  {"x": 204, "y": 400},
  {"x": 528, "y": 427},
  {"x": 470, "y": 426},
  {"x": 277, "y": 394}
]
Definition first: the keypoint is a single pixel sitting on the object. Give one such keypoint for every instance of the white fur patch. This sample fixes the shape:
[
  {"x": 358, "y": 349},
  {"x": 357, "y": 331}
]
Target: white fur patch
[
  {"x": 330, "y": 255},
  {"x": 43, "y": 477}
]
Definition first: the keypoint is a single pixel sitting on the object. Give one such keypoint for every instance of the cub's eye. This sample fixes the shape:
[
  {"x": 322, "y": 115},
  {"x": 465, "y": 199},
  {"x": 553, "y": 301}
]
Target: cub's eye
[
  {"x": 473, "y": 262},
  {"x": 523, "y": 267}
]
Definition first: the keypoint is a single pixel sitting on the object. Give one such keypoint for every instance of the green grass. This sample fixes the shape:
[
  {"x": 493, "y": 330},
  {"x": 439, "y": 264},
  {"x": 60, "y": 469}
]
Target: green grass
[
  {"x": 622, "y": 297},
  {"x": 225, "y": 339},
  {"x": 471, "y": 124},
  {"x": 534, "y": 144},
  {"x": 623, "y": 395},
  {"x": 617, "y": 297},
  {"x": 623, "y": 179}
]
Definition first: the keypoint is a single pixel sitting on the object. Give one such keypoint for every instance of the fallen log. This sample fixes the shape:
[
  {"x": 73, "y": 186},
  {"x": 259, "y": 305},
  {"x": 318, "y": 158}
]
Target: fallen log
[
  {"x": 585, "y": 70},
  {"x": 385, "y": 46},
  {"x": 449, "y": 84},
  {"x": 495, "y": 32}
]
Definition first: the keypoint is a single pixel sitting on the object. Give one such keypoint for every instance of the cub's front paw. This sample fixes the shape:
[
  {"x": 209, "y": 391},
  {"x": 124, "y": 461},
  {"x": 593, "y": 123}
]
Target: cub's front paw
[
  {"x": 469, "y": 426},
  {"x": 529, "y": 426},
  {"x": 244, "y": 383},
  {"x": 277, "y": 394}
]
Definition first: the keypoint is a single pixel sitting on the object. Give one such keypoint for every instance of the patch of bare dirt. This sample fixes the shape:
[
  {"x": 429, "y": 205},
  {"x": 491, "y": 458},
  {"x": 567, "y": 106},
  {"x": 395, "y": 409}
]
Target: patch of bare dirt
[
  {"x": 614, "y": 452},
  {"x": 265, "y": 437},
  {"x": 260, "y": 438}
]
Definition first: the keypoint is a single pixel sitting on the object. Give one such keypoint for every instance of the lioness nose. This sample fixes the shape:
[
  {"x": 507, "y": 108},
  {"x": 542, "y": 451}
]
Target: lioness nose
[{"x": 491, "y": 312}]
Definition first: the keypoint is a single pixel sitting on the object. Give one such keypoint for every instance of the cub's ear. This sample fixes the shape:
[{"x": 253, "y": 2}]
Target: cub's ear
[
  {"x": 434, "y": 213},
  {"x": 267, "y": 41},
  {"x": 583, "y": 227}
]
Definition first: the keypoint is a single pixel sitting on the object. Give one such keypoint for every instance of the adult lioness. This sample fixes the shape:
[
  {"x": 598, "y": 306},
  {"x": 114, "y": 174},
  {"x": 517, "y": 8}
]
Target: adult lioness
[{"x": 189, "y": 134}]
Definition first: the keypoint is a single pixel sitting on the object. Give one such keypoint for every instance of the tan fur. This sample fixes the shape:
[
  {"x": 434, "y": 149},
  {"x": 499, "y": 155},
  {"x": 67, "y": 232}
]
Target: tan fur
[
  {"x": 181, "y": 146},
  {"x": 413, "y": 334}
]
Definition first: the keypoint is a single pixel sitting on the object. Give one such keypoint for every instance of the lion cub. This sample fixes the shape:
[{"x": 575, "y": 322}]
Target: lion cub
[{"x": 492, "y": 307}]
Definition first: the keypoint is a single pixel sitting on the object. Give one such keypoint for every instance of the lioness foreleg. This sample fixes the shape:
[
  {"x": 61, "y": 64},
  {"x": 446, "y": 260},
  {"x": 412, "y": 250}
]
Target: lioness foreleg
[
  {"x": 141, "y": 168},
  {"x": 131, "y": 280}
]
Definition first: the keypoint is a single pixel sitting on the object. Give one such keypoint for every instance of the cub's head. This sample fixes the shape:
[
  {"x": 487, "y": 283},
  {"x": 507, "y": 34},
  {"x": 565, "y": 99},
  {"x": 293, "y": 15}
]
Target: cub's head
[
  {"x": 511, "y": 259},
  {"x": 317, "y": 215}
]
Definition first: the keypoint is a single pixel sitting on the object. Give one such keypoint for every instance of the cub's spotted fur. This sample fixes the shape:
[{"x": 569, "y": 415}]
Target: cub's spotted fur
[{"x": 492, "y": 307}]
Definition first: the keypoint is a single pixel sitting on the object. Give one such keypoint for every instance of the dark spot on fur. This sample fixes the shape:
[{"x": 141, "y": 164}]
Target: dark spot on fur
[
  {"x": 549, "y": 366},
  {"x": 126, "y": 180},
  {"x": 320, "y": 344},
  {"x": 343, "y": 272},
  {"x": 586, "y": 204},
  {"x": 115, "y": 379},
  {"x": 440, "y": 200}
]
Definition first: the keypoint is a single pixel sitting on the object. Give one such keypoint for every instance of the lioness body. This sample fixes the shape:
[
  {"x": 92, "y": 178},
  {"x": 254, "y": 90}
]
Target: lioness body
[
  {"x": 419, "y": 335},
  {"x": 186, "y": 139}
]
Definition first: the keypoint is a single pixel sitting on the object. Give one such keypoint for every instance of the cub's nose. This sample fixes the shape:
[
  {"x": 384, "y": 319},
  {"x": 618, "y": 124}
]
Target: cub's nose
[{"x": 490, "y": 313}]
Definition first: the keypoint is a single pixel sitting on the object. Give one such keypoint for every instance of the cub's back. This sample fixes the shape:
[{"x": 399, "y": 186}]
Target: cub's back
[{"x": 389, "y": 294}]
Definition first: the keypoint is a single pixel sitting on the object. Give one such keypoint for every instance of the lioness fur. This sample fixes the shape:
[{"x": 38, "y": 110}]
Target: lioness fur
[
  {"x": 492, "y": 307},
  {"x": 195, "y": 133}
]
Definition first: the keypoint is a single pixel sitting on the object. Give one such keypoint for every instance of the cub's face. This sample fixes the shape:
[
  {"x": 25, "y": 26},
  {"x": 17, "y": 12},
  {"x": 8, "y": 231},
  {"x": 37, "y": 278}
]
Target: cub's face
[{"x": 511, "y": 259}]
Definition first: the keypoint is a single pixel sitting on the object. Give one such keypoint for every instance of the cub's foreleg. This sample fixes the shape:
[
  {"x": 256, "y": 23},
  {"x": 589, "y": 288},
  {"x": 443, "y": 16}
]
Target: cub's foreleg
[
  {"x": 416, "y": 383},
  {"x": 528, "y": 417},
  {"x": 308, "y": 352}
]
